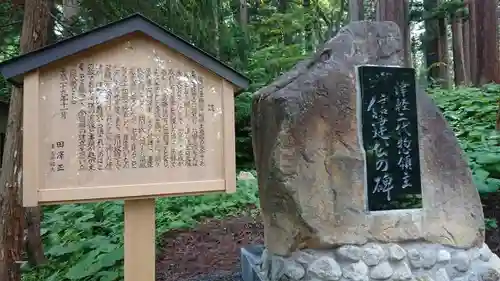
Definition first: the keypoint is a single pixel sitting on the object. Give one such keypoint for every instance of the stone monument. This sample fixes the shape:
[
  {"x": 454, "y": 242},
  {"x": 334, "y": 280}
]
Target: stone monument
[{"x": 360, "y": 176}]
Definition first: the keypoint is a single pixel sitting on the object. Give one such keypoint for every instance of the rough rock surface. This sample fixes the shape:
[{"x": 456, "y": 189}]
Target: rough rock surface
[
  {"x": 310, "y": 164},
  {"x": 464, "y": 265}
]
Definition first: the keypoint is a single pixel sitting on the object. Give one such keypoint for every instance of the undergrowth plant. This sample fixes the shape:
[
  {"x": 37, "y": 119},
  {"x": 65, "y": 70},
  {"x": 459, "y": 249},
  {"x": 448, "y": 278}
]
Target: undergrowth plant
[
  {"x": 84, "y": 242},
  {"x": 471, "y": 112}
]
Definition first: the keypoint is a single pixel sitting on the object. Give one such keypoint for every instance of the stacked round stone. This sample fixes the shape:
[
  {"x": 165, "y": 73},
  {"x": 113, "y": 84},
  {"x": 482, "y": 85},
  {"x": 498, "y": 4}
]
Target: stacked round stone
[{"x": 372, "y": 261}]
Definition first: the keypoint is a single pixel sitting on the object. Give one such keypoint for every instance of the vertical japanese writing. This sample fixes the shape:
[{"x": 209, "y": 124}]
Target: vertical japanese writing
[
  {"x": 166, "y": 92},
  {"x": 82, "y": 90},
  {"x": 389, "y": 127},
  {"x": 187, "y": 116},
  {"x": 173, "y": 117},
  {"x": 73, "y": 78},
  {"x": 404, "y": 135},
  {"x": 108, "y": 103},
  {"x": 194, "y": 120},
  {"x": 157, "y": 135},
  {"x": 57, "y": 157},
  {"x": 98, "y": 101},
  {"x": 118, "y": 116},
  {"x": 60, "y": 156},
  {"x": 201, "y": 121},
  {"x": 132, "y": 117},
  {"x": 52, "y": 161},
  {"x": 378, "y": 110},
  {"x": 149, "y": 113},
  {"x": 181, "y": 145},
  {"x": 91, "y": 153},
  {"x": 82, "y": 135},
  {"x": 125, "y": 97},
  {"x": 142, "y": 117},
  {"x": 63, "y": 88}
]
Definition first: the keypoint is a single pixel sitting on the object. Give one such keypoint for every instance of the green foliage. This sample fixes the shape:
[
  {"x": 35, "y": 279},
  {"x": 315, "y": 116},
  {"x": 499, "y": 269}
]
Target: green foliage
[
  {"x": 471, "y": 112},
  {"x": 85, "y": 241},
  {"x": 444, "y": 9}
]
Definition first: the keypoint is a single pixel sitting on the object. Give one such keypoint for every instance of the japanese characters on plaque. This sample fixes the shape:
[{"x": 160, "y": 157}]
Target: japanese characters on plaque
[
  {"x": 130, "y": 117},
  {"x": 389, "y": 132}
]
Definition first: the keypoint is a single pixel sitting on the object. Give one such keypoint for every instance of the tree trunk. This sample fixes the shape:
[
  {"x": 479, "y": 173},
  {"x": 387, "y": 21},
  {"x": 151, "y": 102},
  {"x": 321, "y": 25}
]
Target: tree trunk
[
  {"x": 282, "y": 8},
  {"x": 488, "y": 68},
  {"x": 398, "y": 12},
  {"x": 436, "y": 47},
  {"x": 466, "y": 49},
  {"x": 34, "y": 35},
  {"x": 473, "y": 43},
  {"x": 356, "y": 10},
  {"x": 308, "y": 30},
  {"x": 70, "y": 10},
  {"x": 458, "y": 52}
]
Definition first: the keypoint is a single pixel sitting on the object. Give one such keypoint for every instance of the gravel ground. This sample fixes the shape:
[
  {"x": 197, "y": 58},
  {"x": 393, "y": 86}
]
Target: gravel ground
[{"x": 210, "y": 252}]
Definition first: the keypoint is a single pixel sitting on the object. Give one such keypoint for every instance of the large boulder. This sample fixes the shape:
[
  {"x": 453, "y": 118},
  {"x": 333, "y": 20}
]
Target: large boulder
[{"x": 311, "y": 168}]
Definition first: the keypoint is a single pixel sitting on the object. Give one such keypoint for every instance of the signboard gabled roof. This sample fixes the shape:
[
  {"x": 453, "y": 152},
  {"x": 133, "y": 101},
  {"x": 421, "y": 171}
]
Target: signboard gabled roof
[{"x": 14, "y": 69}]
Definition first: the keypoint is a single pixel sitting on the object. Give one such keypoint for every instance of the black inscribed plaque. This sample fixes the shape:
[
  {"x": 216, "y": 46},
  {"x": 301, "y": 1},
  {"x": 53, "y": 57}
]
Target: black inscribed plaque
[{"x": 389, "y": 128}]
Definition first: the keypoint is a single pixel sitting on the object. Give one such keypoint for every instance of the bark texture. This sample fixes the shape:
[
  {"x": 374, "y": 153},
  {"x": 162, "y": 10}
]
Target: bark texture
[
  {"x": 488, "y": 69},
  {"x": 356, "y": 10},
  {"x": 436, "y": 47},
  {"x": 397, "y": 12},
  {"x": 34, "y": 35},
  {"x": 461, "y": 77}
]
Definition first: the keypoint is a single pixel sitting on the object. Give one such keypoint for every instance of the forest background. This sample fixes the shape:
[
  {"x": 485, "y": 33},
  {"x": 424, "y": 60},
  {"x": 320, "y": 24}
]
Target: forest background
[{"x": 453, "y": 44}]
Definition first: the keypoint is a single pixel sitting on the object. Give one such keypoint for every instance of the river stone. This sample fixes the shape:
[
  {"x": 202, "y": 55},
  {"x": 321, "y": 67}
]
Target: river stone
[
  {"x": 264, "y": 261},
  {"x": 311, "y": 167},
  {"x": 277, "y": 267},
  {"x": 490, "y": 275},
  {"x": 485, "y": 253},
  {"x": 442, "y": 275},
  {"x": 429, "y": 258},
  {"x": 294, "y": 270},
  {"x": 402, "y": 272},
  {"x": 350, "y": 253},
  {"x": 382, "y": 271},
  {"x": 443, "y": 256},
  {"x": 373, "y": 254},
  {"x": 416, "y": 258},
  {"x": 396, "y": 252},
  {"x": 325, "y": 268},
  {"x": 356, "y": 271},
  {"x": 461, "y": 261}
]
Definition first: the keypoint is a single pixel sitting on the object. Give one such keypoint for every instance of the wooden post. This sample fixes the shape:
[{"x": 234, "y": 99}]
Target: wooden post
[{"x": 140, "y": 240}]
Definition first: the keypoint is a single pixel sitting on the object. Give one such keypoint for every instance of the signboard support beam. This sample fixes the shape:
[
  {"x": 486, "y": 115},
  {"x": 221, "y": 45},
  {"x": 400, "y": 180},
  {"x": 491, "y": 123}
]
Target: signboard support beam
[{"x": 139, "y": 237}]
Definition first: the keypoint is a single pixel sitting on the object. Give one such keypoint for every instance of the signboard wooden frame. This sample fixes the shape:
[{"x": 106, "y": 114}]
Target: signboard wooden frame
[{"x": 38, "y": 69}]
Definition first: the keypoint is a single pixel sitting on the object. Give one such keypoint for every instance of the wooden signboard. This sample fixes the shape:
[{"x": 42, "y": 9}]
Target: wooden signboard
[
  {"x": 389, "y": 133},
  {"x": 126, "y": 111}
]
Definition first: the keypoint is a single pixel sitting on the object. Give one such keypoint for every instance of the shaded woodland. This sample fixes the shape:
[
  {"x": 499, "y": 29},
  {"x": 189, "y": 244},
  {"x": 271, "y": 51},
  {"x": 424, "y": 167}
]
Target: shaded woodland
[{"x": 454, "y": 45}]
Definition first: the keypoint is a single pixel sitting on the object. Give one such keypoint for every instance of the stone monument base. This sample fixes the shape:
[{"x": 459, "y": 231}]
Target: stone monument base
[{"x": 374, "y": 262}]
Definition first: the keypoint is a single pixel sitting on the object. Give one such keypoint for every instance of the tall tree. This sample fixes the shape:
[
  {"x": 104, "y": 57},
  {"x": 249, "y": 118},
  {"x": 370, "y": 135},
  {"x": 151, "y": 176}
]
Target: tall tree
[
  {"x": 308, "y": 33},
  {"x": 488, "y": 62},
  {"x": 356, "y": 10},
  {"x": 461, "y": 75},
  {"x": 282, "y": 8},
  {"x": 398, "y": 12},
  {"x": 35, "y": 34},
  {"x": 467, "y": 45},
  {"x": 436, "y": 43},
  {"x": 471, "y": 31}
]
